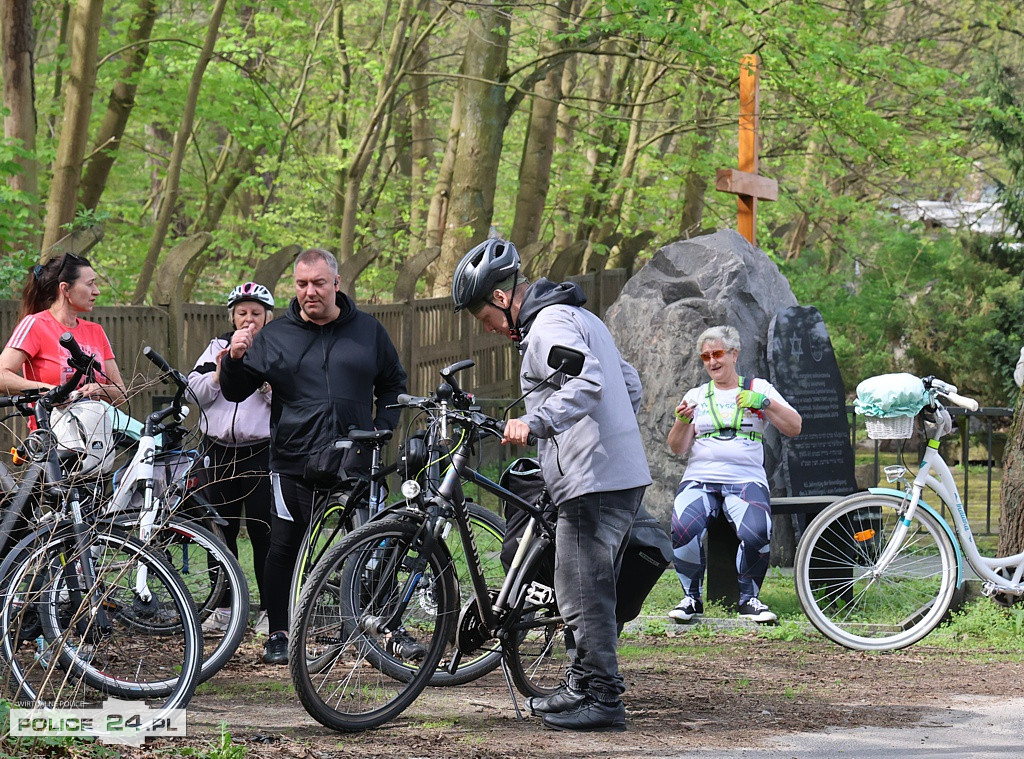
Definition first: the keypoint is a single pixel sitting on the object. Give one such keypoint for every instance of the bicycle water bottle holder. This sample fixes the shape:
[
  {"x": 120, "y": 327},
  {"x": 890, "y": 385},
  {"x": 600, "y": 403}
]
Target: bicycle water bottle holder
[{"x": 895, "y": 473}]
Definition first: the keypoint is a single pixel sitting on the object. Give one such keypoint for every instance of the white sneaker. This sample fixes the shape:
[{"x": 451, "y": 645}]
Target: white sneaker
[
  {"x": 262, "y": 624},
  {"x": 688, "y": 609},
  {"x": 756, "y": 611},
  {"x": 218, "y": 621}
]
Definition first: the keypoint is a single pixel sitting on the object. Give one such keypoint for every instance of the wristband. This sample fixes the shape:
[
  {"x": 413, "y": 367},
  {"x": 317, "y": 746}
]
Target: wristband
[{"x": 683, "y": 418}]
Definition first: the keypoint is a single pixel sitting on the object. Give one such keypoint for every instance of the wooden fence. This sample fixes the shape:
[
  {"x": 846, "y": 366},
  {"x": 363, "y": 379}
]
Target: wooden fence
[{"x": 426, "y": 333}]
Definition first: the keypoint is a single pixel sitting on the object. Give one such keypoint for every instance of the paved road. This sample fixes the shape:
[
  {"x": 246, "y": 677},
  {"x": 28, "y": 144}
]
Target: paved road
[{"x": 971, "y": 727}]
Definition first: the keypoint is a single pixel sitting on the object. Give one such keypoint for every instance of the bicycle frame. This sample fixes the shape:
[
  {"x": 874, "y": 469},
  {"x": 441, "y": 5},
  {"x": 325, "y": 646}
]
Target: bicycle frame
[
  {"x": 935, "y": 474},
  {"x": 449, "y": 503}
]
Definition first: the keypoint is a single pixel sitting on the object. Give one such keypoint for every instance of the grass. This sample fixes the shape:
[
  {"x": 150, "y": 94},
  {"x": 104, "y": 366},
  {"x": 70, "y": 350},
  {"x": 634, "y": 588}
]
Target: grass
[{"x": 978, "y": 629}]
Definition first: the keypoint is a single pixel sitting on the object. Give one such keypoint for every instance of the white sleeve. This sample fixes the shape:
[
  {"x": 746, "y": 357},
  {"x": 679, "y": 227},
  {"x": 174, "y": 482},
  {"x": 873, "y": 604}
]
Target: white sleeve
[
  {"x": 766, "y": 388},
  {"x": 1018, "y": 373}
]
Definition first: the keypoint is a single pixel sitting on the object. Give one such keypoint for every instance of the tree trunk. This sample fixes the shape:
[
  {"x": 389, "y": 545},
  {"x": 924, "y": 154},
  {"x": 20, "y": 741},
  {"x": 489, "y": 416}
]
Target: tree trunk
[
  {"x": 119, "y": 105},
  {"x": 181, "y": 139},
  {"x": 631, "y": 153},
  {"x": 482, "y": 119},
  {"x": 568, "y": 118},
  {"x": 421, "y": 149},
  {"x": 74, "y": 132},
  {"x": 16, "y": 39},
  {"x": 1011, "y": 493},
  {"x": 691, "y": 219},
  {"x": 539, "y": 146}
]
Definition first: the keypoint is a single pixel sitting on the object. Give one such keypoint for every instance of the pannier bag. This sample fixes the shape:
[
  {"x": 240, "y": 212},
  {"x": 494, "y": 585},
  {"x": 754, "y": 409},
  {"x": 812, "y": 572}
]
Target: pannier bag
[
  {"x": 648, "y": 551},
  {"x": 86, "y": 427},
  {"x": 648, "y": 554}
]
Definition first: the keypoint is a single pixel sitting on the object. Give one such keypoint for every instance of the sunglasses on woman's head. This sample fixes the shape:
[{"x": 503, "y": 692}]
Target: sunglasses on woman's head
[
  {"x": 64, "y": 262},
  {"x": 716, "y": 355}
]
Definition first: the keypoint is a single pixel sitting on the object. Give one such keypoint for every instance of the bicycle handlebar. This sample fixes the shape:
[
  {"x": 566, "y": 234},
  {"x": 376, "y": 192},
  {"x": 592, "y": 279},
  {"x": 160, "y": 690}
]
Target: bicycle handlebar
[
  {"x": 78, "y": 359},
  {"x": 949, "y": 392},
  {"x": 162, "y": 365}
]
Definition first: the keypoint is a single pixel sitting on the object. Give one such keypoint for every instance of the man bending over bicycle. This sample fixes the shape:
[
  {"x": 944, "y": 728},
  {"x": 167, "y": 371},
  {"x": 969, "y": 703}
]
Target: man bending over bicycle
[{"x": 591, "y": 455}]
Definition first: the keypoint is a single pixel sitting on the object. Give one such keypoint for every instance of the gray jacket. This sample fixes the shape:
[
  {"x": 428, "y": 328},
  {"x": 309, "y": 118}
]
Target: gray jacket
[{"x": 589, "y": 440}]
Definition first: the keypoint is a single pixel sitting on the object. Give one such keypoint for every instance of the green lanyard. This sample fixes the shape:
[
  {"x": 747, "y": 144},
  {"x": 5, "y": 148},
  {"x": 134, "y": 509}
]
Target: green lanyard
[{"x": 721, "y": 427}]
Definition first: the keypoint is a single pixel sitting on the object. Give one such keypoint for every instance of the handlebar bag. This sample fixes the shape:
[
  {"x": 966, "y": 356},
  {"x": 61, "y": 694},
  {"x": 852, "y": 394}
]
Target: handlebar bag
[{"x": 86, "y": 427}]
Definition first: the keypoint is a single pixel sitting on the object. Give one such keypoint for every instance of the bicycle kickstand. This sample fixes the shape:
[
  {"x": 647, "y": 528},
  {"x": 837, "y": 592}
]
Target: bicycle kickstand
[{"x": 511, "y": 689}]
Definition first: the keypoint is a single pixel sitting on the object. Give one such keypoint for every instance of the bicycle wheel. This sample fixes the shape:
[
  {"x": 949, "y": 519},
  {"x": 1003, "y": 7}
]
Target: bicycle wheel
[
  {"x": 854, "y": 602},
  {"x": 361, "y": 601},
  {"x": 488, "y": 533},
  {"x": 322, "y": 533},
  {"x": 98, "y": 635},
  {"x": 214, "y": 579},
  {"x": 537, "y": 646}
]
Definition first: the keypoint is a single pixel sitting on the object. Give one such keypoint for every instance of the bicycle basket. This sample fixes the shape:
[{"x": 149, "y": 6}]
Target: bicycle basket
[
  {"x": 86, "y": 427},
  {"x": 889, "y": 427}
]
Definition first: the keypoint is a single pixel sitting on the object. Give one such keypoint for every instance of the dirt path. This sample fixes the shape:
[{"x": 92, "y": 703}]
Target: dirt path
[{"x": 692, "y": 690}]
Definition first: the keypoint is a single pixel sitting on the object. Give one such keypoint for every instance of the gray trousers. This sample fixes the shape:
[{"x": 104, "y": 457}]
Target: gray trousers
[{"x": 590, "y": 539}]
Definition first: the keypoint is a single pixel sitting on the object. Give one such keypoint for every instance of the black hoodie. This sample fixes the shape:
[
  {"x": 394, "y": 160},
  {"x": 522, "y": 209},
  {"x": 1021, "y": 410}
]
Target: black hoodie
[
  {"x": 544, "y": 293},
  {"x": 325, "y": 380}
]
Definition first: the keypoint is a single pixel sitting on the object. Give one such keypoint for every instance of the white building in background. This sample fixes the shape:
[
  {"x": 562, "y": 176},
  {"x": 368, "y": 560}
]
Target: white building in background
[{"x": 983, "y": 216}]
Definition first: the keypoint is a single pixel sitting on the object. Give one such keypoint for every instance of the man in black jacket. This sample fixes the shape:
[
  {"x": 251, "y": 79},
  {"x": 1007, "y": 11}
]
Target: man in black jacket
[{"x": 328, "y": 364}]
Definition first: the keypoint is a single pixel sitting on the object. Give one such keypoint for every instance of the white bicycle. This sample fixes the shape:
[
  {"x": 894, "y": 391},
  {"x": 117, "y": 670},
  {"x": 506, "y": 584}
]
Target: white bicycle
[{"x": 879, "y": 570}]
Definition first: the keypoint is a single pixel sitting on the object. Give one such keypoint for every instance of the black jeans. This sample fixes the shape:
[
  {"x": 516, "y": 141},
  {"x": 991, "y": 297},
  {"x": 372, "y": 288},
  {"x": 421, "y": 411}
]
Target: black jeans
[
  {"x": 285, "y": 544},
  {"x": 590, "y": 539}
]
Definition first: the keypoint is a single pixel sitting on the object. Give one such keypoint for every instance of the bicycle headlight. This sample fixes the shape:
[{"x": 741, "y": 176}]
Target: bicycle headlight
[{"x": 411, "y": 489}]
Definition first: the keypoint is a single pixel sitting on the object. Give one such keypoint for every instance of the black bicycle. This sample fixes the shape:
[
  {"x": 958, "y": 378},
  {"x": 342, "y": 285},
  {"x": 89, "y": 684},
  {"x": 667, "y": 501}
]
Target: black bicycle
[{"x": 382, "y": 607}]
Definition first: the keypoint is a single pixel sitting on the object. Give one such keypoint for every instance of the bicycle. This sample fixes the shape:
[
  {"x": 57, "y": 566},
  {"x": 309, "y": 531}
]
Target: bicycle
[
  {"x": 382, "y": 607},
  {"x": 77, "y": 602},
  {"x": 879, "y": 570},
  {"x": 212, "y": 574},
  {"x": 357, "y": 500}
]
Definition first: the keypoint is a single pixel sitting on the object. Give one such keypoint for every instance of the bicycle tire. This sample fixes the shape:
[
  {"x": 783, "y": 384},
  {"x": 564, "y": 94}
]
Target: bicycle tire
[
  {"x": 488, "y": 533},
  {"x": 113, "y": 658},
  {"x": 338, "y": 630},
  {"x": 214, "y": 579},
  {"x": 536, "y": 644},
  {"x": 848, "y": 600},
  {"x": 321, "y": 534}
]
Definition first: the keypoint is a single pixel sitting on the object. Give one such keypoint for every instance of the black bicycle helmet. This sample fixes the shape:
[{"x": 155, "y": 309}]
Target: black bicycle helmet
[{"x": 480, "y": 271}]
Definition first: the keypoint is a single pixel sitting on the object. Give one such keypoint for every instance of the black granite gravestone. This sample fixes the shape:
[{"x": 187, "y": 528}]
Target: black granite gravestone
[{"x": 802, "y": 364}]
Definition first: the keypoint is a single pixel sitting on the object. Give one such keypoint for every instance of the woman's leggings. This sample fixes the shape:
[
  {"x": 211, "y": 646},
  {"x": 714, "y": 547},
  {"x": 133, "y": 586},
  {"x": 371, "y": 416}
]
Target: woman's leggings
[
  {"x": 238, "y": 480},
  {"x": 748, "y": 510}
]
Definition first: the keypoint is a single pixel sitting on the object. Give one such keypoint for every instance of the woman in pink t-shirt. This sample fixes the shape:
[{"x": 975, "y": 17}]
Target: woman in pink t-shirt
[{"x": 54, "y": 296}]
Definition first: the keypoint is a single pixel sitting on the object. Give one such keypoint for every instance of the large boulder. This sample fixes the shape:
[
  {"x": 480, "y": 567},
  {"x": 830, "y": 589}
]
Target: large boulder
[{"x": 687, "y": 287}]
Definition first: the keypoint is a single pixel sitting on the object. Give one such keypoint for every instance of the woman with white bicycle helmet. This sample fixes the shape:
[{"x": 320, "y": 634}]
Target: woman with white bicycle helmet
[{"x": 236, "y": 474}]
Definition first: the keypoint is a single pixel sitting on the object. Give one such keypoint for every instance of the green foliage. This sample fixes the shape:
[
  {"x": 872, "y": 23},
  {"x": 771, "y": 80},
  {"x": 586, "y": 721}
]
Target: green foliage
[
  {"x": 917, "y": 302},
  {"x": 982, "y": 624},
  {"x": 17, "y": 222}
]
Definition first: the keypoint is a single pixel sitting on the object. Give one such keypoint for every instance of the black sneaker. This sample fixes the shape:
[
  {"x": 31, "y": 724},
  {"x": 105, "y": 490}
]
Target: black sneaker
[
  {"x": 275, "y": 650},
  {"x": 687, "y": 609},
  {"x": 590, "y": 715},
  {"x": 756, "y": 611},
  {"x": 403, "y": 646},
  {"x": 561, "y": 700}
]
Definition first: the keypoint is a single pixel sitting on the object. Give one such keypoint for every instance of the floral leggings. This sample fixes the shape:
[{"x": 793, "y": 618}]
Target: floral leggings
[{"x": 746, "y": 507}]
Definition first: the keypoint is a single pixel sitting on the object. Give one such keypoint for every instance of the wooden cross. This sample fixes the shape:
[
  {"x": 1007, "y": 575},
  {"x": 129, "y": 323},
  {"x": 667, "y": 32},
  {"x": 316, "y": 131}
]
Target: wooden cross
[{"x": 745, "y": 182}]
